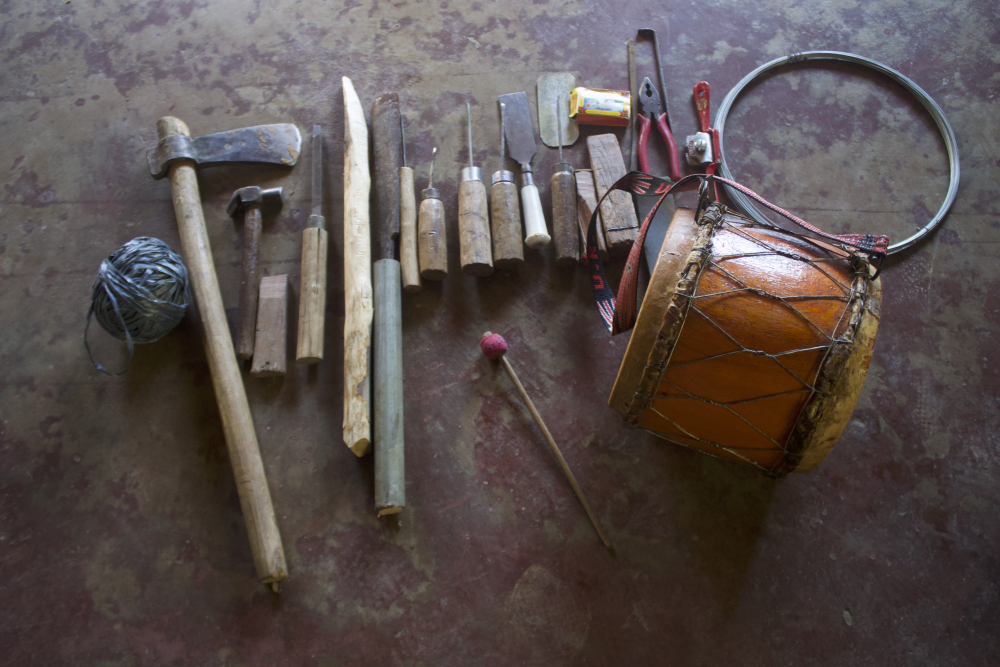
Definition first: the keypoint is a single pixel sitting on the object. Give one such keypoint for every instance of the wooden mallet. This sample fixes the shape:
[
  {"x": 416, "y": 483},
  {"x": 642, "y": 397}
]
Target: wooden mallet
[{"x": 494, "y": 347}]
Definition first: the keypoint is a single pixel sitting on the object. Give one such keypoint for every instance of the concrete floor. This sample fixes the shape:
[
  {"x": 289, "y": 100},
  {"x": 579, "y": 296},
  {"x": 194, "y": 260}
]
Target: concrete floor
[{"x": 121, "y": 537}]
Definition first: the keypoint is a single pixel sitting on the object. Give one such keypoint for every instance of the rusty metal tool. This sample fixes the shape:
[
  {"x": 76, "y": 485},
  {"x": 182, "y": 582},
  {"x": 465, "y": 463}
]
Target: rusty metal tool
[
  {"x": 649, "y": 32},
  {"x": 250, "y": 201},
  {"x": 387, "y": 329},
  {"x": 312, "y": 297},
  {"x": 473, "y": 217},
  {"x": 521, "y": 142},
  {"x": 178, "y": 157}
]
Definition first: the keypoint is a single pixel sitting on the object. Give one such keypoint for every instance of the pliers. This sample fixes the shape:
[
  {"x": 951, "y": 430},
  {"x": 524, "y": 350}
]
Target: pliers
[{"x": 650, "y": 112}]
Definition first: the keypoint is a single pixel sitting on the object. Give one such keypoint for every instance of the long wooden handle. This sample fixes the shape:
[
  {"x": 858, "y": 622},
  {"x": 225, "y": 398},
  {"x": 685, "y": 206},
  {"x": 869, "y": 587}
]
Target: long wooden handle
[
  {"x": 246, "y": 319},
  {"x": 564, "y": 216},
  {"x": 312, "y": 300},
  {"x": 237, "y": 424},
  {"x": 508, "y": 246},
  {"x": 357, "y": 276},
  {"x": 535, "y": 234},
  {"x": 433, "y": 240},
  {"x": 474, "y": 229},
  {"x": 555, "y": 450},
  {"x": 408, "y": 231},
  {"x": 386, "y": 144},
  {"x": 390, "y": 477}
]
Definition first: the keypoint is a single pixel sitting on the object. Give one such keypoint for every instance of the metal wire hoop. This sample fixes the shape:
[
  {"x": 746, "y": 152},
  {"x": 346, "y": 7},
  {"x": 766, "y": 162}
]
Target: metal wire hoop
[{"x": 951, "y": 144}]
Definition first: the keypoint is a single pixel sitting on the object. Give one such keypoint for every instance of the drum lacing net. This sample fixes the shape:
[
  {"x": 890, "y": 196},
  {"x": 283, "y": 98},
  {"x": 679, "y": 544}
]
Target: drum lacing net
[{"x": 815, "y": 385}]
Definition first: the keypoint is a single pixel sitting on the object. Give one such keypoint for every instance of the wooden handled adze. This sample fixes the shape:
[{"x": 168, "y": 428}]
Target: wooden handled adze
[{"x": 178, "y": 157}]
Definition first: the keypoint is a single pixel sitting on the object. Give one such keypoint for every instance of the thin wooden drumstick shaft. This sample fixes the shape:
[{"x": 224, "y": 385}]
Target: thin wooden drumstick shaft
[{"x": 555, "y": 450}]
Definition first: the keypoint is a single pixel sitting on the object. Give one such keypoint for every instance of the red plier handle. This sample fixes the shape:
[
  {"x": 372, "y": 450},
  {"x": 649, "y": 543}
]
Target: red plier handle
[
  {"x": 703, "y": 102},
  {"x": 645, "y": 125}
]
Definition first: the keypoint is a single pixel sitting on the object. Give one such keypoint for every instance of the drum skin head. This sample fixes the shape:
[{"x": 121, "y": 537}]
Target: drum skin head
[{"x": 752, "y": 344}]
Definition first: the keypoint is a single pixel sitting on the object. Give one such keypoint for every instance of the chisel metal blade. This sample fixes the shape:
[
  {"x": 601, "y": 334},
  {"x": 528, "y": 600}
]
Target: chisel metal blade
[{"x": 519, "y": 132}]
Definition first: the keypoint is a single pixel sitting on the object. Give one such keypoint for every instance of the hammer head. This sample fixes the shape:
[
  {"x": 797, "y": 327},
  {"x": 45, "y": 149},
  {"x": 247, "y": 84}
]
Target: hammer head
[{"x": 253, "y": 196}]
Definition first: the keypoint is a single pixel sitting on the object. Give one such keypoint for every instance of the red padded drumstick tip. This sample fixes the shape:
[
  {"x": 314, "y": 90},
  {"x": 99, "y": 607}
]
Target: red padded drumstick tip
[{"x": 493, "y": 345}]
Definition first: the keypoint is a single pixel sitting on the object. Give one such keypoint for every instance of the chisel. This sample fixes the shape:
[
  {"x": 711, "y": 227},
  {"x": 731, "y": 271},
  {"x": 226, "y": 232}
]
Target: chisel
[
  {"x": 521, "y": 141},
  {"x": 407, "y": 223},
  {"x": 432, "y": 240},
  {"x": 312, "y": 297},
  {"x": 564, "y": 214},
  {"x": 390, "y": 478},
  {"x": 508, "y": 249},
  {"x": 473, "y": 217}
]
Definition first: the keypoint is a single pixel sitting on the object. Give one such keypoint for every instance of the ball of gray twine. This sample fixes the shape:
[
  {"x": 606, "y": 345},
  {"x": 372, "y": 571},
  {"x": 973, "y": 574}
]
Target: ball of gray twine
[{"x": 140, "y": 294}]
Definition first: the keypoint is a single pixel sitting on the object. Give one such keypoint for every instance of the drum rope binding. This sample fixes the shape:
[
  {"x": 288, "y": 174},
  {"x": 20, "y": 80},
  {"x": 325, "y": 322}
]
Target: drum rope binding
[{"x": 686, "y": 300}]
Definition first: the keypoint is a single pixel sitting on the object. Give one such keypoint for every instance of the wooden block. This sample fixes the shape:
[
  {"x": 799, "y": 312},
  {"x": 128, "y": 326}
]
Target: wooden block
[
  {"x": 272, "y": 327},
  {"x": 617, "y": 212},
  {"x": 586, "y": 202}
]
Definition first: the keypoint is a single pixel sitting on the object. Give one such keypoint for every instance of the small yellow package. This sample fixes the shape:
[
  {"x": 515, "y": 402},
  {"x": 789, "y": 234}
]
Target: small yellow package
[{"x": 595, "y": 106}]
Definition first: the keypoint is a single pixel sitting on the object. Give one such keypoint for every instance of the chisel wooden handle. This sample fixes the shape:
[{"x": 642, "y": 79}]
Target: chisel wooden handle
[
  {"x": 508, "y": 247},
  {"x": 390, "y": 477},
  {"x": 237, "y": 424},
  {"x": 535, "y": 234},
  {"x": 432, "y": 237},
  {"x": 564, "y": 215},
  {"x": 246, "y": 319},
  {"x": 474, "y": 225},
  {"x": 408, "y": 261},
  {"x": 312, "y": 300}
]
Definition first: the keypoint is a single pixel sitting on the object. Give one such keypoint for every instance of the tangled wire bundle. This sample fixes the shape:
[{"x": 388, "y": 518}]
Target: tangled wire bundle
[{"x": 140, "y": 294}]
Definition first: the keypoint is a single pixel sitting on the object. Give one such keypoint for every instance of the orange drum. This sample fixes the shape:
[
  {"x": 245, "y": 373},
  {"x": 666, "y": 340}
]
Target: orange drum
[{"x": 752, "y": 343}]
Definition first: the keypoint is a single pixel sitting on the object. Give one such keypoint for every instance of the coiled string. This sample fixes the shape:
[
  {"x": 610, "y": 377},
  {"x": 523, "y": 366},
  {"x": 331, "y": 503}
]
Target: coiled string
[{"x": 140, "y": 294}]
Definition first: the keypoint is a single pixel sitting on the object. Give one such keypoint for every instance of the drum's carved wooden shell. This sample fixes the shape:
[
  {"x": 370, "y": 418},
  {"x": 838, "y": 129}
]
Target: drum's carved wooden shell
[{"x": 751, "y": 344}]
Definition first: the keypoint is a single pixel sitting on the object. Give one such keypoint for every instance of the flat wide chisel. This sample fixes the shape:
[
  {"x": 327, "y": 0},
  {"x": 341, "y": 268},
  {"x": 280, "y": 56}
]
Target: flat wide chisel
[
  {"x": 521, "y": 141},
  {"x": 473, "y": 217},
  {"x": 312, "y": 298}
]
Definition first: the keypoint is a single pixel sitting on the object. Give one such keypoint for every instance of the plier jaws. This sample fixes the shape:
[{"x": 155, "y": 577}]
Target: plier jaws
[{"x": 650, "y": 113}]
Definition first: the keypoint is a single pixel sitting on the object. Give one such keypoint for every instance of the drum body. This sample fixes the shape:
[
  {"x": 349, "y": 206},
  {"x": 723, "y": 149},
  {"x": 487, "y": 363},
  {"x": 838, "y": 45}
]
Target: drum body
[{"x": 751, "y": 344}]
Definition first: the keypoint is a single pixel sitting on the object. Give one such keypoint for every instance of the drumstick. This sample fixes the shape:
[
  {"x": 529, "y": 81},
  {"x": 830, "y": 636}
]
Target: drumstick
[{"x": 494, "y": 346}]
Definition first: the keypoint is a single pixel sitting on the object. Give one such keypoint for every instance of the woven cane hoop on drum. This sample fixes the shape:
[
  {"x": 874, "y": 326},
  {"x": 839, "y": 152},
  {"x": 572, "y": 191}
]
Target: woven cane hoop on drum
[{"x": 752, "y": 343}]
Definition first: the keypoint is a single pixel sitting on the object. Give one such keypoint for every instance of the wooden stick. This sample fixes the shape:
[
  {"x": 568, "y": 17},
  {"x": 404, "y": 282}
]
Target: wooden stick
[
  {"x": 237, "y": 424},
  {"x": 586, "y": 202},
  {"x": 617, "y": 212},
  {"x": 553, "y": 446},
  {"x": 408, "y": 231},
  {"x": 357, "y": 276},
  {"x": 270, "y": 346},
  {"x": 246, "y": 318},
  {"x": 312, "y": 300},
  {"x": 312, "y": 297}
]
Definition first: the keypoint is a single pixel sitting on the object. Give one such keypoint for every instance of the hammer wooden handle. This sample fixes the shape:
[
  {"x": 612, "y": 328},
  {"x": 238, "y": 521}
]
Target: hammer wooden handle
[
  {"x": 312, "y": 301},
  {"x": 237, "y": 424},
  {"x": 246, "y": 321}
]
